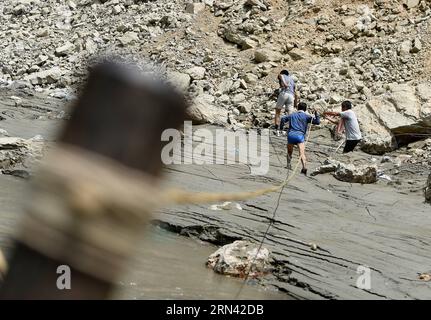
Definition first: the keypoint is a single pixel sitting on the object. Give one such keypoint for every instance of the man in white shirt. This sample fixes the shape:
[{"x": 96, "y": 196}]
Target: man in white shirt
[
  {"x": 286, "y": 97},
  {"x": 351, "y": 125}
]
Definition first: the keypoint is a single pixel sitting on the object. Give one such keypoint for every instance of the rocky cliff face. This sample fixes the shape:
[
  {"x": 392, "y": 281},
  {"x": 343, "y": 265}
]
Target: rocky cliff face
[{"x": 227, "y": 54}]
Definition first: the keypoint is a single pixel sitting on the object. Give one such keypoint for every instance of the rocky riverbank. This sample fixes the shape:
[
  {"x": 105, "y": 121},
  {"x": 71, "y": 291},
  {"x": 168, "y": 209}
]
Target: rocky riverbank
[
  {"x": 383, "y": 225},
  {"x": 225, "y": 56}
]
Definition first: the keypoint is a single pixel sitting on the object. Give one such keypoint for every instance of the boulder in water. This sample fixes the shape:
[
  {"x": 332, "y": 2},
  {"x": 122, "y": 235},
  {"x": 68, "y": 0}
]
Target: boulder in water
[{"x": 240, "y": 257}]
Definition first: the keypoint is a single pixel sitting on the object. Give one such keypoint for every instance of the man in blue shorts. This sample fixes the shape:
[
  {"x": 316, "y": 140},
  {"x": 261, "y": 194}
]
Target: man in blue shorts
[{"x": 297, "y": 130}]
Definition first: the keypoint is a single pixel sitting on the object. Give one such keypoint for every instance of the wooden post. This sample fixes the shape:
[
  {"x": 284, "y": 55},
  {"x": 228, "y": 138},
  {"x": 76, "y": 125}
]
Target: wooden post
[{"x": 121, "y": 116}]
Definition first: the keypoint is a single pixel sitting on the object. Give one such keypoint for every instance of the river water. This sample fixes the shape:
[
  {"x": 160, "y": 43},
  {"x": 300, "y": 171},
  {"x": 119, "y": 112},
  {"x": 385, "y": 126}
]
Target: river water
[{"x": 170, "y": 266}]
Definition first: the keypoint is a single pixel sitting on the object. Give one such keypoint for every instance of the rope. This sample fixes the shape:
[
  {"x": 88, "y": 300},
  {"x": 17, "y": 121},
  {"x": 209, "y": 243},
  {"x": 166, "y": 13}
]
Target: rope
[
  {"x": 177, "y": 196},
  {"x": 339, "y": 146},
  {"x": 271, "y": 222},
  {"x": 99, "y": 206}
]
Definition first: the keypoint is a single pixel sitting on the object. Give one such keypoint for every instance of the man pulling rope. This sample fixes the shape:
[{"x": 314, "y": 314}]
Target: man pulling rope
[{"x": 351, "y": 125}]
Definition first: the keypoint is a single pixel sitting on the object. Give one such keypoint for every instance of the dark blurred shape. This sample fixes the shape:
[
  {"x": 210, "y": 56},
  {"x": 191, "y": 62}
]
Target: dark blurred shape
[{"x": 120, "y": 115}]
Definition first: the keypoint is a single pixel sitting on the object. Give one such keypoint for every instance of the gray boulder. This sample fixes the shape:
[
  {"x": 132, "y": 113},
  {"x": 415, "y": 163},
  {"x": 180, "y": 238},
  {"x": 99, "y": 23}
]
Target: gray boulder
[
  {"x": 267, "y": 55},
  {"x": 248, "y": 43},
  {"x": 329, "y": 165},
  {"x": 405, "y": 47},
  {"x": 411, "y": 3},
  {"x": 356, "y": 174},
  {"x": 44, "y": 77},
  {"x": 233, "y": 35},
  {"x": 348, "y": 172},
  {"x": 65, "y": 49},
  {"x": 297, "y": 54},
  {"x": 180, "y": 80},
  {"x": 385, "y": 119},
  {"x": 129, "y": 38},
  {"x": 417, "y": 46},
  {"x": 196, "y": 73},
  {"x": 251, "y": 78},
  {"x": 17, "y": 151},
  {"x": 424, "y": 91},
  {"x": 378, "y": 143},
  {"x": 237, "y": 258},
  {"x": 23, "y": 174},
  {"x": 203, "y": 110},
  {"x": 194, "y": 8},
  {"x": 238, "y": 98}
]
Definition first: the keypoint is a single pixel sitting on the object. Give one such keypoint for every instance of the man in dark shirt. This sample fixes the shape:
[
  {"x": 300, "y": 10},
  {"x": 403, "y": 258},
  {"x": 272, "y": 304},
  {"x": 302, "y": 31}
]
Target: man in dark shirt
[{"x": 297, "y": 130}]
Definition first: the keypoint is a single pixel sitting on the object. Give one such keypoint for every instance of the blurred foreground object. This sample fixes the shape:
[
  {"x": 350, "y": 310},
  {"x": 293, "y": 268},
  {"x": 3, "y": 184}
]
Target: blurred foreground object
[
  {"x": 3, "y": 265},
  {"x": 87, "y": 209}
]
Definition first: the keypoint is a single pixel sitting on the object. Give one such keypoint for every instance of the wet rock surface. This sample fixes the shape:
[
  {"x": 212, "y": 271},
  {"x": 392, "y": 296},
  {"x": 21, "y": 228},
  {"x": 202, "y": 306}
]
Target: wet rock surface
[{"x": 324, "y": 228}]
